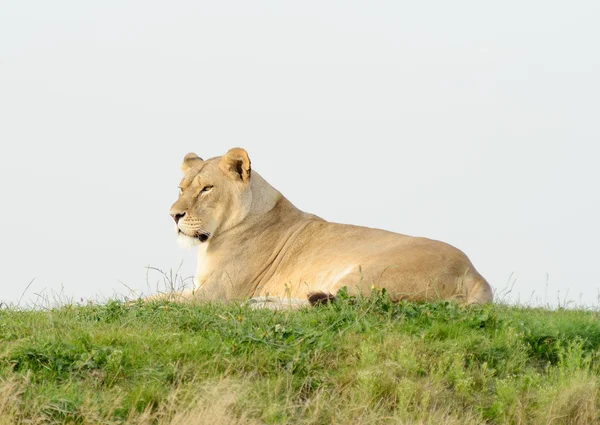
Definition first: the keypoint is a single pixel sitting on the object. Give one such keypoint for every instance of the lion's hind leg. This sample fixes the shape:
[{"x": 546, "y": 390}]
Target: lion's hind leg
[{"x": 479, "y": 291}]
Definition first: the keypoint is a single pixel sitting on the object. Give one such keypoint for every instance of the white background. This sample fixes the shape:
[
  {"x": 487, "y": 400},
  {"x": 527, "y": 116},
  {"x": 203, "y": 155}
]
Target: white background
[{"x": 469, "y": 122}]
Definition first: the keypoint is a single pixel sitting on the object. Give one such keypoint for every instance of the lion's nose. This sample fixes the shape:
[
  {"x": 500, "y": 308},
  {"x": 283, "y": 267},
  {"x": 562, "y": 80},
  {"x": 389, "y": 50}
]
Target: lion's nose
[{"x": 177, "y": 217}]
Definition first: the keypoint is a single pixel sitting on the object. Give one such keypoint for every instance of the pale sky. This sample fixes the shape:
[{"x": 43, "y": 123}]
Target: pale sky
[{"x": 475, "y": 123}]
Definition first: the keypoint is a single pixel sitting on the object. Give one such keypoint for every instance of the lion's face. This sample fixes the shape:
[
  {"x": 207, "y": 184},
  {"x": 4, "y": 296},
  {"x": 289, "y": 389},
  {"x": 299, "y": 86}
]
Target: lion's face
[{"x": 214, "y": 195}]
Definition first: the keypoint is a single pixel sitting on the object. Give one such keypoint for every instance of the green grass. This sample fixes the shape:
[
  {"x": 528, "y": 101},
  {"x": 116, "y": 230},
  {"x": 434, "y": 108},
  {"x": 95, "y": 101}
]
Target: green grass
[{"x": 350, "y": 362}]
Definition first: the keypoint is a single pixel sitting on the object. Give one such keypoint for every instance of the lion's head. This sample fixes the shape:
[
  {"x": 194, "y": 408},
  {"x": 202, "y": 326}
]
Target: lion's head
[{"x": 214, "y": 195}]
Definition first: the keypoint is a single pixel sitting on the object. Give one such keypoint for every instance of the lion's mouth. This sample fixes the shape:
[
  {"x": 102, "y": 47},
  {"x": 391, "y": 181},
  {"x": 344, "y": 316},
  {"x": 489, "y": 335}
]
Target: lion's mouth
[{"x": 202, "y": 237}]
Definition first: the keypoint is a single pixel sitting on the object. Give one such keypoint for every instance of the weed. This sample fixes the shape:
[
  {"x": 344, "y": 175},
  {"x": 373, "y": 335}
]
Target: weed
[{"x": 356, "y": 360}]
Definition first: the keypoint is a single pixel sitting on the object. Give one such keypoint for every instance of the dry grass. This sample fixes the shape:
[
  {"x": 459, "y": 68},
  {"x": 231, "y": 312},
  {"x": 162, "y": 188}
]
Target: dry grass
[
  {"x": 572, "y": 401},
  {"x": 211, "y": 403},
  {"x": 9, "y": 395}
]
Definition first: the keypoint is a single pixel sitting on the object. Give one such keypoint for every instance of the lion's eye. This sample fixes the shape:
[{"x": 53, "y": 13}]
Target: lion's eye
[{"x": 206, "y": 189}]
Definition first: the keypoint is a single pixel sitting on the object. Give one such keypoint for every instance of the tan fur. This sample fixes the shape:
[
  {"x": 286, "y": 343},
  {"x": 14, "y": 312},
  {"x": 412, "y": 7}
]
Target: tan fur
[{"x": 259, "y": 244}]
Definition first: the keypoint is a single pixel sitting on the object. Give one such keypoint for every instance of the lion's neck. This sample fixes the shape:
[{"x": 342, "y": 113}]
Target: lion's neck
[
  {"x": 264, "y": 196},
  {"x": 257, "y": 242}
]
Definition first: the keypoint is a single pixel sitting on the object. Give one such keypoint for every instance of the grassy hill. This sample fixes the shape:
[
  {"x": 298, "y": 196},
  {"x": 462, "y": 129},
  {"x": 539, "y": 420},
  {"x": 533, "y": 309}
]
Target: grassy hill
[{"x": 350, "y": 362}]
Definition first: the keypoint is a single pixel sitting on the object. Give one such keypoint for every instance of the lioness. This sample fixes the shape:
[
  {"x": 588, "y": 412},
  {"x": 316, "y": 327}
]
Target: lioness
[{"x": 253, "y": 243}]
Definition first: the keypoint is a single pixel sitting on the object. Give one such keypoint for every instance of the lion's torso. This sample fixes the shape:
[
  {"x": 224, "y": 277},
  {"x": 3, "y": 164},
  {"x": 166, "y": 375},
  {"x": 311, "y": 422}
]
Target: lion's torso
[{"x": 293, "y": 254}]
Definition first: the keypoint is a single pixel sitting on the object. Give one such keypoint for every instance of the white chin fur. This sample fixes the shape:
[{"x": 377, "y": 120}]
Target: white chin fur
[{"x": 186, "y": 241}]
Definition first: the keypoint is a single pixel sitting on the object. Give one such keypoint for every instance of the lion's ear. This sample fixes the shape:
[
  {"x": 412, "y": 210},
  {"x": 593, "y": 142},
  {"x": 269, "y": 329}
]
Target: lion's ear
[
  {"x": 189, "y": 161},
  {"x": 236, "y": 164}
]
